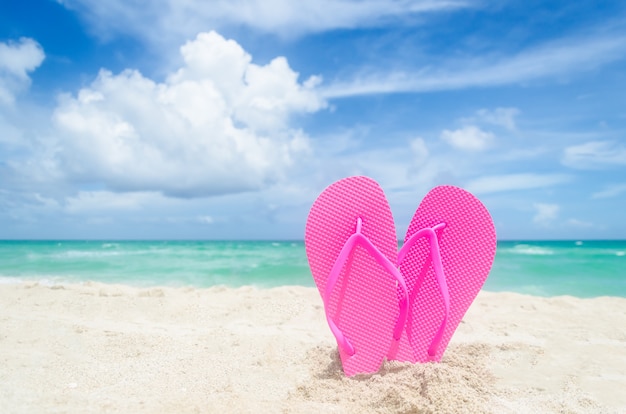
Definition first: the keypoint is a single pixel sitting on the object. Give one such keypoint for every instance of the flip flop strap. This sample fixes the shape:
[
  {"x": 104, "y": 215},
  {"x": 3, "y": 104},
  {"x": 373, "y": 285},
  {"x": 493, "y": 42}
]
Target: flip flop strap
[
  {"x": 359, "y": 239},
  {"x": 435, "y": 253}
]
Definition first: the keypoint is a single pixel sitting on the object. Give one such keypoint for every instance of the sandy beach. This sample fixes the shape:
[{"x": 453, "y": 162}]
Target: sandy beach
[{"x": 108, "y": 348}]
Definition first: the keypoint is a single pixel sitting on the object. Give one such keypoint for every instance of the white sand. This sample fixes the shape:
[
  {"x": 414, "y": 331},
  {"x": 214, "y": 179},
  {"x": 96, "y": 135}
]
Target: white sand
[{"x": 103, "y": 348}]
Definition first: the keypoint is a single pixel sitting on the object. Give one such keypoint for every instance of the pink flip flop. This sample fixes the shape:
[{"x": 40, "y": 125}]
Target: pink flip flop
[
  {"x": 446, "y": 257},
  {"x": 352, "y": 248}
]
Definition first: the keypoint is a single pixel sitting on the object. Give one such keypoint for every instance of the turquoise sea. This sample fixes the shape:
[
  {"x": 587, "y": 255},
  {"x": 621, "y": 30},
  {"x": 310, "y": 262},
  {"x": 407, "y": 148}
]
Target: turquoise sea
[{"x": 544, "y": 268}]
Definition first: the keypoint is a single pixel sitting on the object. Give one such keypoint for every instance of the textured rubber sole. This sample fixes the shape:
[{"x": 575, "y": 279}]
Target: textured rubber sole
[
  {"x": 467, "y": 245},
  {"x": 363, "y": 303}
]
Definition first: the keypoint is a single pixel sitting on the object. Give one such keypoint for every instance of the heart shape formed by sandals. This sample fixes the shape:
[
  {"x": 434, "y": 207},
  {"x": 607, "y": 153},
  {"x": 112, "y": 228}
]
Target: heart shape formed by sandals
[{"x": 381, "y": 303}]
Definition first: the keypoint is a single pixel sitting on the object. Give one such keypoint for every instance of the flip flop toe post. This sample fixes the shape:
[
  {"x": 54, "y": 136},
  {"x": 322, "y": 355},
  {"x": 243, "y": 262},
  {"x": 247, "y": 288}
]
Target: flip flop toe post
[
  {"x": 351, "y": 246},
  {"x": 447, "y": 254}
]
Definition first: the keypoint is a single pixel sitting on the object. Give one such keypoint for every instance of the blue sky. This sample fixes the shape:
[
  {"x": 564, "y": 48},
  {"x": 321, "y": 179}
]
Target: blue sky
[{"x": 225, "y": 119}]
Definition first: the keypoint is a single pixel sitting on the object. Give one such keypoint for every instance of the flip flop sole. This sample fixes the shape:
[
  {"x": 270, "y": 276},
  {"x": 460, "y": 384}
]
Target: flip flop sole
[
  {"x": 363, "y": 303},
  {"x": 467, "y": 245}
]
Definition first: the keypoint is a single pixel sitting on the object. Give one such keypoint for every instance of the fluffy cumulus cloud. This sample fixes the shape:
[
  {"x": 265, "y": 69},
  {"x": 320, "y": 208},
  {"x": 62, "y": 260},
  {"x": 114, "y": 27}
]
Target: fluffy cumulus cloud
[
  {"x": 17, "y": 60},
  {"x": 468, "y": 138},
  {"x": 219, "y": 124},
  {"x": 595, "y": 155}
]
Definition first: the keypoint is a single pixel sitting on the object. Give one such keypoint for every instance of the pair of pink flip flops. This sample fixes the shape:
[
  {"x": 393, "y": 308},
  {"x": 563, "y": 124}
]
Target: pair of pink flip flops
[{"x": 384, "y": 303}]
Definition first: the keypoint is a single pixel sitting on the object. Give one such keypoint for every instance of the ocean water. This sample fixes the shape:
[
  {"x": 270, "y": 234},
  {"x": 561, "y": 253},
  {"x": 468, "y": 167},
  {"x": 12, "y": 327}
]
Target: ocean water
[{"x": 543, "y": 268}]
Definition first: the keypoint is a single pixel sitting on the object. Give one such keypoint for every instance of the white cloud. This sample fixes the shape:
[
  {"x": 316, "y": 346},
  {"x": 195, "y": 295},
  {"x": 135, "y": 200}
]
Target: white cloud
[
  {"x": 420, "y": 150},
  {"x": 17, "y": 59},
  {"x": 512, "y": 182},
  {"x": 468, "y": 138},
  {"x": 9, "y": 134},
  {"x": 595, "y": 155},
  {"x": 567, "y": 56},
  {"x": 504, "y": 117},
  {"x": 206, "y": 219},
  {"x": 579, "y": 223},
  {"x": 99, "y": 201},
  {"x": 545, "y": 213},
  {"x": 219, "y": 124},
  {"x": 181, "y": 19},
  {"x": 610, "y": 191}
]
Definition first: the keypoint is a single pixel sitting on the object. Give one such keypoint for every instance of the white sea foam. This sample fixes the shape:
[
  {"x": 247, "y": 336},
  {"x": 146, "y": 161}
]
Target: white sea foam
[
  {"x": 531, "y": 250},
  {"x": 9, "y": 280},
  {"x": 44, "y": 280},
  {"x": 72, "y": 254},
  {"x": 533, "y": 290}
]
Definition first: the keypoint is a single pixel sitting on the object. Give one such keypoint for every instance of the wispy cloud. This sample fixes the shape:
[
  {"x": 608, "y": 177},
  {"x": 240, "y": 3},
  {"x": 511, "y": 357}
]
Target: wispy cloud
[
  {"x": 99, "y": 201},
  {"x": 610, "y": 191},
  {"x": 545, "y": 213},
  {"x": 581, "y": 224},
  {"x": 595, "y": 155},
  {"x": 502, "y": 117},
  {"x": 183, "y": 19},
  {"x": 564, "y": 57},
  {"x": 420, "y": 150},
  {"x": 205, "y": 219},
  {"x": 513, "y": 182}
]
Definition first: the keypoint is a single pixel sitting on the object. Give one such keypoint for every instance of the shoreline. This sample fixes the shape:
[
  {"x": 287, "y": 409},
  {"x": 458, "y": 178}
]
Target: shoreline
[
  {"x": 94, "y": 347},
  {"x": 55, "y": 282}
]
